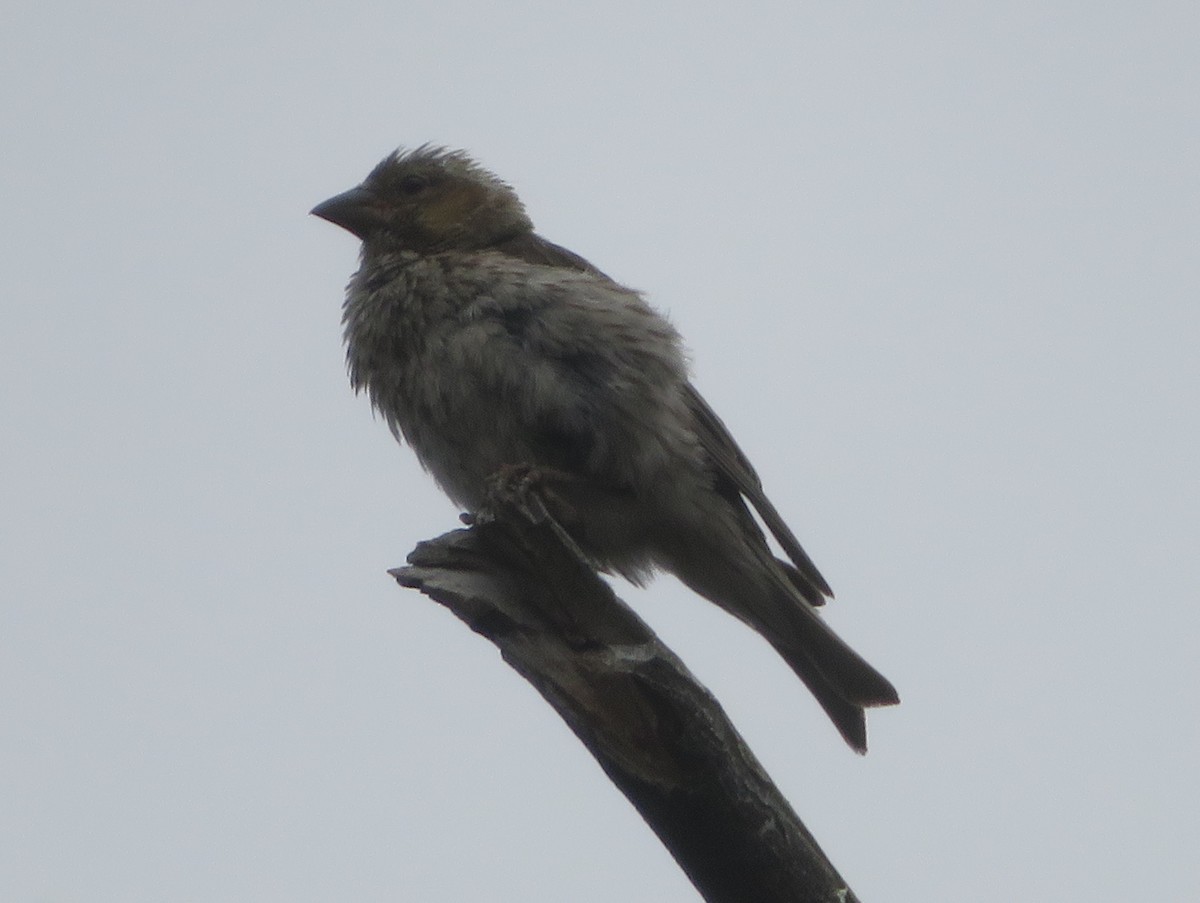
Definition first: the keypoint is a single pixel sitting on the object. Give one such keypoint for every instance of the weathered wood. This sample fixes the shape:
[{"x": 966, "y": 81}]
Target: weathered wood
[{"x": 661, "y": 737}]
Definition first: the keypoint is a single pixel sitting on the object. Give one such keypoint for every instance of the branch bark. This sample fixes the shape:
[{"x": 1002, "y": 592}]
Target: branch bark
[{"x": 517, "y": 579}]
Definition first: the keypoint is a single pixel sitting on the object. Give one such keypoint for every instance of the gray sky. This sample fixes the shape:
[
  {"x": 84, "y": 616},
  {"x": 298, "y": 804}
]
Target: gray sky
[{"x": 938, "y": 268}]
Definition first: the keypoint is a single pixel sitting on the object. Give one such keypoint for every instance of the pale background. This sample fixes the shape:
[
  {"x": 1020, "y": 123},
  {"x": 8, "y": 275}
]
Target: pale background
[{"x": 938, "y": 267}]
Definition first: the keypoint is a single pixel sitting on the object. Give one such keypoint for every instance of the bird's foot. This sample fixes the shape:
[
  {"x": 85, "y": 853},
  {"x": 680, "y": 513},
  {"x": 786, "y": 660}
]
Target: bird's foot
[
  {"x": 535, "y": 493},
  {"x": 533, "y": 490}
]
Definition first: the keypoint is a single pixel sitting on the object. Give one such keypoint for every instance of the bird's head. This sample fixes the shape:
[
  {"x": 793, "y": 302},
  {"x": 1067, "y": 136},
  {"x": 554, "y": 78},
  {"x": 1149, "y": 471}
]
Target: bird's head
[{"x": 427, "y": 200}]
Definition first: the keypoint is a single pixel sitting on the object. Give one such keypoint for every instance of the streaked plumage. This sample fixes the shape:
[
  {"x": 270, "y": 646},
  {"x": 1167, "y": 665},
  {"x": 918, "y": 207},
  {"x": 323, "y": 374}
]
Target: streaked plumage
[{"x": 483, "y": 346}]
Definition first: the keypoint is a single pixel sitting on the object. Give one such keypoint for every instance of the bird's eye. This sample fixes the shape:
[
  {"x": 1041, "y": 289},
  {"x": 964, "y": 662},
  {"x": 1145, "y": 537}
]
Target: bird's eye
[{"x": 411, "y": 185}]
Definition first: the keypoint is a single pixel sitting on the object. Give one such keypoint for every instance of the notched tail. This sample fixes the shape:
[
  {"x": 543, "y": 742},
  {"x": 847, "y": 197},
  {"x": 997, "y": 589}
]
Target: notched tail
[{"x": 842, "y": 681}]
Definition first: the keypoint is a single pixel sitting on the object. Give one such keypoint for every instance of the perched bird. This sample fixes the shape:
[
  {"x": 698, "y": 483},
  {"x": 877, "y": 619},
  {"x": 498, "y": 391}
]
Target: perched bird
[{"x": 485, "y": 346}]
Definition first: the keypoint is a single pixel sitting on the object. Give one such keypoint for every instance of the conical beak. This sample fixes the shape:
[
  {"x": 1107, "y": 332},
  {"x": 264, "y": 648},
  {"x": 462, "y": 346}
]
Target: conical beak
[{"x": 357, "y": 210}]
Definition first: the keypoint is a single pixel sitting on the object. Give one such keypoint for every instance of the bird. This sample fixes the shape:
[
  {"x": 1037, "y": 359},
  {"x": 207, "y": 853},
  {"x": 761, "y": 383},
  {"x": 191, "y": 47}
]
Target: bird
[{"x": 485, "y": 346}]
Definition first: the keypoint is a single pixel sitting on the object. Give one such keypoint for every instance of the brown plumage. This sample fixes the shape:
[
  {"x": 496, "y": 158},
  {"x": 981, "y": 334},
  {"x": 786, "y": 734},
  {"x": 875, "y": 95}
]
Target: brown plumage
[{"x": 483, "y": 346}]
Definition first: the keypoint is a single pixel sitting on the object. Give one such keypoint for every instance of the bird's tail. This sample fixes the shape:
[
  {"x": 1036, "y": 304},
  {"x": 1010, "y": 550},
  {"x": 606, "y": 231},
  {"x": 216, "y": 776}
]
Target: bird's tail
[
  {"x": 842, "y": 681},
  {"x": 760, "y": 593}
]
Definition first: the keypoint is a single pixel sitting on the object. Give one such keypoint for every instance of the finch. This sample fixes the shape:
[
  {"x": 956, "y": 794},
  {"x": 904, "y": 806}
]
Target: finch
[{"x": 485, "y": 347}]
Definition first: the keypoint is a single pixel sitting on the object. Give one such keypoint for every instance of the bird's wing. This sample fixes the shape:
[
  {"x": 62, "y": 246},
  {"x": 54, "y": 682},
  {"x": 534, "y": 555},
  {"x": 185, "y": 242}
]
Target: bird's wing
[{"x": 731, "y": 464}]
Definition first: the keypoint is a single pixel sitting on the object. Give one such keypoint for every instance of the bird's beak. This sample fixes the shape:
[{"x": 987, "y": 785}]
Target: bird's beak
[{"x": 357, "y": 210}]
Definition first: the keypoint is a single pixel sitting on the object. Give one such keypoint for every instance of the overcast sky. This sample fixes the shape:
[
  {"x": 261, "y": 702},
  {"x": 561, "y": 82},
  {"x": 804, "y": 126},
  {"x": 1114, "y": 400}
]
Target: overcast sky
[{"x": 937, "y": 267}]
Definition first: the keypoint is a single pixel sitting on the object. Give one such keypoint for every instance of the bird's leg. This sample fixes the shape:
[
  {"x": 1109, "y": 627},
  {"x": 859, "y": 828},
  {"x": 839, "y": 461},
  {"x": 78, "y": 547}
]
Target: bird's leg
[{"x": 531, "y": 490}]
